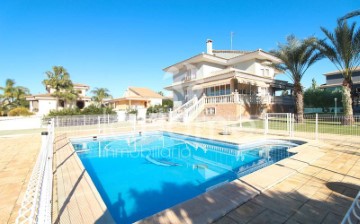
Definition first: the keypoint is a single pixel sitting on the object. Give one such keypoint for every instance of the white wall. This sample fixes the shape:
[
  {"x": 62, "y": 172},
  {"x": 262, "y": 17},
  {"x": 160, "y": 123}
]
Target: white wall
[
  {"x": 20, "y": 123},
  {"x": 207, "y": 68},
  {"x": 155, "y": 101},
  {"x": 45, "y": 106},
  {"x": 248, "y": 66}
]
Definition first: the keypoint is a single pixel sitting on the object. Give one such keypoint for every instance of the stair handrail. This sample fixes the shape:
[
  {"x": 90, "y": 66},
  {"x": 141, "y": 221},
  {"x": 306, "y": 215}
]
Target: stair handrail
[
  {"x": 178, "y": 112},
  {"x": 194, "y": 110}
]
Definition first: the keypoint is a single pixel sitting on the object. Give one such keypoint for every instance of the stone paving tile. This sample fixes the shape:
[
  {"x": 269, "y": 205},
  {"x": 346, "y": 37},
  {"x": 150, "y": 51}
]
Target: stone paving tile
[
  {"x": 279, "y": 203},
  {"x": 309, "y": 214},
  {"x": 332, "y": 218},
  {"x": 268, "y": 216},
  {"x": 18, "y": 157},
  {"x": 245, "y": 212},
  {"x": 226, "y": 220}
]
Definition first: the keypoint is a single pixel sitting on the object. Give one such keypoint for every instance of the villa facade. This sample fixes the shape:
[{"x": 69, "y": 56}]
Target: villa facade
[
  {"x": 42, "y": 104},
  {"x": 136, "y": 98},
  {"x": 230, "y": 82},
  {"x": 334, "y": 81}
]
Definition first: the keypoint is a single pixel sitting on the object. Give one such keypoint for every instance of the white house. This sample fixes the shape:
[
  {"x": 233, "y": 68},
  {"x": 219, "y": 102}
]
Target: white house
[
  {"x": 230, "y": 81},
  {"x": 136, "y": 98},
  {"x": 42, "y": 104}
]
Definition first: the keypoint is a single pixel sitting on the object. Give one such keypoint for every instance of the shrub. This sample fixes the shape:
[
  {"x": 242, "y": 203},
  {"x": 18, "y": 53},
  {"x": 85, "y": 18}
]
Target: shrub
[
  {"x": 132, "y": 111},
  {"x": 64, "y": 112},
  {"x": 19, "y": 111},
  {"x": 90, "y": 110}
]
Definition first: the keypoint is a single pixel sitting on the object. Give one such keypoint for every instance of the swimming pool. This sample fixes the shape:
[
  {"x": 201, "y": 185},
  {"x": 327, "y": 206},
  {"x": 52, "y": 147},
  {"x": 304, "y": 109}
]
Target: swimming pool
[{"x": 138, "y": 175}]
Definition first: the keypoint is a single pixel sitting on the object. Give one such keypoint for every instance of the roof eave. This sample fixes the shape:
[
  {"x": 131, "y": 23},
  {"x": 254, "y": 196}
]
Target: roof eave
[{"x": 195, "y": 59}]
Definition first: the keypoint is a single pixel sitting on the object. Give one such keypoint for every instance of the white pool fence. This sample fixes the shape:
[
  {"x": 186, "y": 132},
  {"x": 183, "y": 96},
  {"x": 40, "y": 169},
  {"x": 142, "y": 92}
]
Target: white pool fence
[{"x": 36, "y": 206}]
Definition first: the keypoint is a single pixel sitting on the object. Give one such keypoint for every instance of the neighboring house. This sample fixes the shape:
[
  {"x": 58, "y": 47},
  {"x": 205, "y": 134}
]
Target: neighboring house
[
  {"x": 42, "y": 104},
  {"x": 136, "y": 98},
  {"x": 220, "y": 74},
  {"x": 334, "y": 81}
]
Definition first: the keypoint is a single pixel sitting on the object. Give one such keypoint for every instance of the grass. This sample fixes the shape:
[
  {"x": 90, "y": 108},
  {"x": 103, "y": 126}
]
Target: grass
[{"x": 308, "y": 126}]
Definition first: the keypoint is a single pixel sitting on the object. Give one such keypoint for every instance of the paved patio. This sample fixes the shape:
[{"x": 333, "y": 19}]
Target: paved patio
[
  {"x": 18, "y": 156},
  {"x": 317, "y": 185}
]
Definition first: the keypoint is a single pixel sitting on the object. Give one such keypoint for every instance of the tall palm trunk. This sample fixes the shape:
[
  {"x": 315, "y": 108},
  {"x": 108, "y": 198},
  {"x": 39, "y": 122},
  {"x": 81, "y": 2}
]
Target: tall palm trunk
[
  {"x": 347, "y": 103},
  {"x": 299, "y": 103}
]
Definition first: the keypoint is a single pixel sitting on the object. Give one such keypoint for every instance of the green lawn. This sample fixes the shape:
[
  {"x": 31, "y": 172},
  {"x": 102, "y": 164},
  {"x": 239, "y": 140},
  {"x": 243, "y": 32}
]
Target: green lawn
[{"x": 307, "y": 126}]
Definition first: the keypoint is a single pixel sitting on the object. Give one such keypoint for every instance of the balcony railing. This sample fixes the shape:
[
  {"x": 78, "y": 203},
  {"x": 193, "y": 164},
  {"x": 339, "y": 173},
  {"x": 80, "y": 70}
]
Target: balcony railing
[{"x": 249, "y": 99}]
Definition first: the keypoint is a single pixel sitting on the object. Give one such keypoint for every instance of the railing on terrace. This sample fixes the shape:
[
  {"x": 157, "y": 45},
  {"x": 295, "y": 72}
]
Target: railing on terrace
[
  {"x": 249, "y": 99},
  {"x": 284, "y": 100},
  {"x": 353, "y": 214},
  {"x": 80, "y": 120},
  {"x": 312, "y": 126},
  {"x": 36, "y": 205},
  {"x": 220, "y": 99}
]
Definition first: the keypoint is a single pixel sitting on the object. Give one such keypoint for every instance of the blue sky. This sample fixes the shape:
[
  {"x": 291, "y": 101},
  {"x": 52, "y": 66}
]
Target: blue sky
[{"x": 116, "y": 44}]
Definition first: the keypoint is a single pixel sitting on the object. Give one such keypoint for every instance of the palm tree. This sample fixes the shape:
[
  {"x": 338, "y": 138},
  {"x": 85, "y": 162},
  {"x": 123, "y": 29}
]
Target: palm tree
[
  {"x": 100, "y": 94},
  {"x": 350, "y": 15},
  {"x": 19, "y": 95},
  {"x": 343, "y": 49},
  {"x": 59, "y": 80},
  {"x": 297, "y": 56},
  {"x": 8, "y": 91},
  {"x": 13, "y": 96}
]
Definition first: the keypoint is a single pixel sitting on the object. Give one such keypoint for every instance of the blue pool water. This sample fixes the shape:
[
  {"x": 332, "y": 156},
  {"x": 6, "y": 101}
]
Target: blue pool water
[{"x": 140, "y": 175}]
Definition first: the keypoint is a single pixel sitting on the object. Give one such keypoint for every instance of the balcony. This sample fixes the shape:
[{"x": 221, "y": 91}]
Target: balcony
[{"x": 249, "y": 99}]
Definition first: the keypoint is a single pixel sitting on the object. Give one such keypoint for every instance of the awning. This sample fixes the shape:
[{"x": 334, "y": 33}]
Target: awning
[
  {"x": 252, "y": 82},
  {"x": 211, "y": 84}
]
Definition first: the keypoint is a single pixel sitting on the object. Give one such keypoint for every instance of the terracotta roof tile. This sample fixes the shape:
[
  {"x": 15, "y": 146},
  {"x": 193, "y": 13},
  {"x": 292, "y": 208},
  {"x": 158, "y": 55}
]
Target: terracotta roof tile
[{"x": 145, "y": 92}]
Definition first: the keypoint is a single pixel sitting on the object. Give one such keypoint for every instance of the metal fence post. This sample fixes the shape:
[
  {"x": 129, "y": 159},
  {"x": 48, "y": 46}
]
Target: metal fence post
[
  {"x": 99, "y": 124},
  {"x": 240, "y": 119},
  {"x": 266, "y": 123},
  {"x": 316, "y": 127},
  {"x": 288, "y": 124},
  {"x": 292, "y": 125}
]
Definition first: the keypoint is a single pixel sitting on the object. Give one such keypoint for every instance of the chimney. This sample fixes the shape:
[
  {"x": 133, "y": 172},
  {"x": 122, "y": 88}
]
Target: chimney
[{"x": 209, "y": 48}]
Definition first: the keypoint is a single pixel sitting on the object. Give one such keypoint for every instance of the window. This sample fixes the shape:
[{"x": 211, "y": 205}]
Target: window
[
  {"x": 61, "y": 103},
  {"x": 227, "y": 89},
  {"x": 265, "y": 72},
  {"x": 190, "y": 74},
  {"x": 222, "y": 90},
  {"x": 185, "y": 94},
  {"x": 210, "y": 111},
  {"x": 218, "y": 90}
]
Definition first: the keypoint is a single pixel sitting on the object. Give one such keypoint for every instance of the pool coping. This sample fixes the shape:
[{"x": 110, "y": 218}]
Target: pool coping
[{"x": 214, "y": 204}]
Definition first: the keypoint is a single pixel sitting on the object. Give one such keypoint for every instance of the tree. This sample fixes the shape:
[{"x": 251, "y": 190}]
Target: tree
[
  {"x": 59, "y": 80},
  {"x": 297, "y": 56},
  {"x": 8, "y": 91},
  {"x": 342, "y": 48},
  {"x": 13, "y": 96},
  {"x": 100, "y": 94},
  {"x": 161, "y": 93},
  {"x": 350, "y": 15},
  {"x": 19, "y": 96},
  {"x": 314, "y": 84}
]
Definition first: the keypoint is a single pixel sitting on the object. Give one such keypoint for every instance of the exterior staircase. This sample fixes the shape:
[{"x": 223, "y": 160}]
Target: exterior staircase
[{"x": 188, "y": 111}]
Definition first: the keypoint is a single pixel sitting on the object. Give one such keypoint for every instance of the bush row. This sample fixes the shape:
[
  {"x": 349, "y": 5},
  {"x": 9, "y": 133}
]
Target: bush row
[{"x": 90, "y": 110}]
